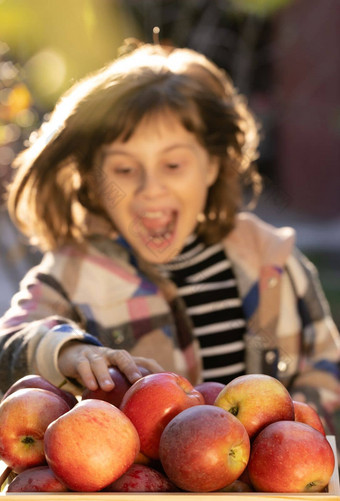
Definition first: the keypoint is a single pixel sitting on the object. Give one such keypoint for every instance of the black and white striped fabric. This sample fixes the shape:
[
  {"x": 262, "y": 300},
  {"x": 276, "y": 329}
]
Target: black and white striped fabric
[{"x": 206, "y": 282}]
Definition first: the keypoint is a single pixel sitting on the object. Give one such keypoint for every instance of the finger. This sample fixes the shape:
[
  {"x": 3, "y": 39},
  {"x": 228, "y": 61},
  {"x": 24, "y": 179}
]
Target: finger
[
  {"x": 100, "y": 369},
  {"x": 126, "y": 364},
  {"x": 149, "y": 364},
  {"x": 85, "y": 373}
]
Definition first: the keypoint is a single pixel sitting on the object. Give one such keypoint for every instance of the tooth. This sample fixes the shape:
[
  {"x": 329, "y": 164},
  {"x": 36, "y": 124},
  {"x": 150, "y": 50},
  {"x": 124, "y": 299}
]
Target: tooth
[{"x": 153, "y": 215}]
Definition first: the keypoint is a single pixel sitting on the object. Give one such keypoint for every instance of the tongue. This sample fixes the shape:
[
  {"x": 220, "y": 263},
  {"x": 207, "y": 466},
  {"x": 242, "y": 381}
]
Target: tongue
[{"x": 157, "y": 225}]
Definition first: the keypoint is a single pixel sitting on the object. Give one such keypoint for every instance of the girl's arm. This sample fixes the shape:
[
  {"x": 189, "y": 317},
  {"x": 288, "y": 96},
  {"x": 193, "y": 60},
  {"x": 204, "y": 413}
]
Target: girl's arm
[{"x": 43, "y": 333}]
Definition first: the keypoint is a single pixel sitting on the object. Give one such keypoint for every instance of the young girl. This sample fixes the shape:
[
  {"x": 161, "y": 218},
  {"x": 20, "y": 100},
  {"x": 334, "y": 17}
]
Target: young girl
[{"x": 134, "y": 191}]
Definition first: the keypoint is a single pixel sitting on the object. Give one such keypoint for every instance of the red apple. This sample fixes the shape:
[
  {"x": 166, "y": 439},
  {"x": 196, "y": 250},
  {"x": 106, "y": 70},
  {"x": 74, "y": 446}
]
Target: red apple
[
  {"x": 153, "y": 401},
  {"x": 256, "y": 400},
  {"x": 35, "y": 381},
  {"x": 37, "y": 479},
  {"x": 210, "y": 390},
  {"x": 304, "y": 413},
  {"x": 24, "y": 417},
  {"x": 91, "y": 446},
  {"x": 141, "y": 478},
  {"x": 204, "y": 448},
  {"x": 288, "y": 456},
  {"x": 114, "y": 396}
]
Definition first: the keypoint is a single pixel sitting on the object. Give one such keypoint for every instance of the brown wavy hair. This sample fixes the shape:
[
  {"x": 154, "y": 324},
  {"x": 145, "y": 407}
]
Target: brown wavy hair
[{"x": 53, "y": 192}]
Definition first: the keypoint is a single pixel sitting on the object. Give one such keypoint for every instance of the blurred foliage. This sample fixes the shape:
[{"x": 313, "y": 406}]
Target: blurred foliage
[
  {"x": 59, "y": 41},
  {"x": 259, "y": 7},
  {"x": 18, "y": 116}
]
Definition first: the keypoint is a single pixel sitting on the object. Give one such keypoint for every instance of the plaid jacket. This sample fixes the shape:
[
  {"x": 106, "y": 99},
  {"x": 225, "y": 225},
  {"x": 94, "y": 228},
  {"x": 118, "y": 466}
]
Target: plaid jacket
[{"x": 102, "y": 297}]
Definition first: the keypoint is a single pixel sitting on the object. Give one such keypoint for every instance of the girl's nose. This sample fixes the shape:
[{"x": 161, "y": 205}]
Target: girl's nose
[{"x": 151, "y": 186}]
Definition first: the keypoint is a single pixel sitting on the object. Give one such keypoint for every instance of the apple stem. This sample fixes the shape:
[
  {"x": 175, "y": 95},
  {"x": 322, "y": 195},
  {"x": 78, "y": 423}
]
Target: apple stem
[
  {"x": 28, "y": 440},
  {"x": 310, "y": 484},
  {"x": 233, "y": 411}
]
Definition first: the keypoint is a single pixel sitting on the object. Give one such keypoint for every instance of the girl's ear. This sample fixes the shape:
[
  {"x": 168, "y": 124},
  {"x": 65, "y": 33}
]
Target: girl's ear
[{"x": 213, "y": 170}]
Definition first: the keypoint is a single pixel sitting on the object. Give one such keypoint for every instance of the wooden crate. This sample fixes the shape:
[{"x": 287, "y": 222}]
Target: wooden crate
[{"x": 332, "y": 494}]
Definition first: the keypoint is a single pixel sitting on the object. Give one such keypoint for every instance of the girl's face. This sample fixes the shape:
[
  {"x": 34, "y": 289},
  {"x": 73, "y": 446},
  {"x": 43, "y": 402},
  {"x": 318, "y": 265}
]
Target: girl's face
[{"x": 154, "y": 186}]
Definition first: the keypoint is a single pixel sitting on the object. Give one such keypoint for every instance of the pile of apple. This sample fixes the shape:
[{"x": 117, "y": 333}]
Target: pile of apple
[{"x": 162, "y": 434}]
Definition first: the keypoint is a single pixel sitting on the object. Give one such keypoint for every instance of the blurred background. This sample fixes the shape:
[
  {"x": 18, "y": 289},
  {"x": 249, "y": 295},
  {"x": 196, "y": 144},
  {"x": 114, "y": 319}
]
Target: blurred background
[{"x": 283, "y": 55}]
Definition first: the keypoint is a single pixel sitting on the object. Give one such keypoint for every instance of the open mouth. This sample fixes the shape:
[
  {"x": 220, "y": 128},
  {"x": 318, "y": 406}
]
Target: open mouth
[{"x": 156, "y": 228}]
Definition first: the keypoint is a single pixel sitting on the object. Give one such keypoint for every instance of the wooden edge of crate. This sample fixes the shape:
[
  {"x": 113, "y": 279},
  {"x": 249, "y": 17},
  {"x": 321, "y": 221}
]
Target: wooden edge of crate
[{"x": 332, "y": 494}]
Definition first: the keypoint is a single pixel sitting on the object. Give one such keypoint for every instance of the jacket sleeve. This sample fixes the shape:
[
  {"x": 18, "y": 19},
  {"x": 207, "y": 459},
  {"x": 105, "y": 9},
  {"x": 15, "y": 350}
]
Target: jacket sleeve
[
  {"x": 40, "y": 320},
  {"x": 318, "y": 379}
]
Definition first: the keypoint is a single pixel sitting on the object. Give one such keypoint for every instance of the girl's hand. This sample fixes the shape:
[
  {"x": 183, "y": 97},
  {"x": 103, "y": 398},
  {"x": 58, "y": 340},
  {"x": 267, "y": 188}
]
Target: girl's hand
[{"x": 89, "y": 364}]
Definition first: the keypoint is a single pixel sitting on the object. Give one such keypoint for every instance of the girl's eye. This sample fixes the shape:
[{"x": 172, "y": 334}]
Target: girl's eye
[
  {"x": 173, "y": 165},
  {"x": 123, "y": 170}
]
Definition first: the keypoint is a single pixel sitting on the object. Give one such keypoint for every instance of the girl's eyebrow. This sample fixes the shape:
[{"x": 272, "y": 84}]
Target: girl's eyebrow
[
  {"x": 179, "y": 145},
  {"x": 116, "y": 151},
  {"x": 111, "y": 151}
]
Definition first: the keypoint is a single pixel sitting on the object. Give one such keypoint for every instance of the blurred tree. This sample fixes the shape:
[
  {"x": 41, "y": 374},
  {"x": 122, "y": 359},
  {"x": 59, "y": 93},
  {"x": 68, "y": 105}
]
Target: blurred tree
[{"x": 59, "y": 41}]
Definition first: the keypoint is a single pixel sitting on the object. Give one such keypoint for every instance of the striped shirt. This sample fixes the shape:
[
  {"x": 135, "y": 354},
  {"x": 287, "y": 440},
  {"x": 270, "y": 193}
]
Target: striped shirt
[{"x": 207, "y": 285}]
